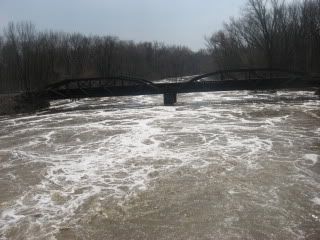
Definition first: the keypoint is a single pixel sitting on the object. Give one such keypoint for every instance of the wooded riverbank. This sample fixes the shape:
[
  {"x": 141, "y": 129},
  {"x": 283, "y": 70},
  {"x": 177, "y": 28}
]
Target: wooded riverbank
[{"x": 21, "y": 103}]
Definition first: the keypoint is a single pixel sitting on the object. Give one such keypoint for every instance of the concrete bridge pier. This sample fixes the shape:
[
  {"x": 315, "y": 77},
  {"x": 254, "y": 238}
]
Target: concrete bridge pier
[{"x": 169, "y": 99}]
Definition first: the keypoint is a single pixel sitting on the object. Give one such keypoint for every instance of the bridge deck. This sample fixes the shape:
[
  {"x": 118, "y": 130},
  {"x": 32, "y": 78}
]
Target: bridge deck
[
  {"x": 185, "y": 87},
  {"x": 223, "y": 80}
]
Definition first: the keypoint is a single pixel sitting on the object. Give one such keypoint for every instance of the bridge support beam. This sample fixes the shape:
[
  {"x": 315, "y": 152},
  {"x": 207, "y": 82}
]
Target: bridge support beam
[{"x": 169, "y": 99}]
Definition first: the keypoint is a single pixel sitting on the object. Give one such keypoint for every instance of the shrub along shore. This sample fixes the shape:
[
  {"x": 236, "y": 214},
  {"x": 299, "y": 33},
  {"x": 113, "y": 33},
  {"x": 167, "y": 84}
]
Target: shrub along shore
[{"x": 21, "y": 103}]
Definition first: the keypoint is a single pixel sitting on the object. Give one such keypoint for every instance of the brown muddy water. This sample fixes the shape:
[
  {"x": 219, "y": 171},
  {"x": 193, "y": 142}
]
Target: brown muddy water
[{"x": 233, "y": 165}]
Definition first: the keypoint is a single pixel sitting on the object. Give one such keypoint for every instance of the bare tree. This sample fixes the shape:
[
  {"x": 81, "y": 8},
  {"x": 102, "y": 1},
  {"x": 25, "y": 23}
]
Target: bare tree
[
  {"x": 270, "y": 33},
  {"x": 30, "y": 59}
]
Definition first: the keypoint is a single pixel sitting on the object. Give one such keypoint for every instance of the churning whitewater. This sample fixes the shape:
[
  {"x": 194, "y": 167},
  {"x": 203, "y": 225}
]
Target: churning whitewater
[{"x": 232, "y": 165}]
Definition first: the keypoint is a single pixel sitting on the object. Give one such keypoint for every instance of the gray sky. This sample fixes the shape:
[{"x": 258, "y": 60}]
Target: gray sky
[{"x": 171, "y": 21}]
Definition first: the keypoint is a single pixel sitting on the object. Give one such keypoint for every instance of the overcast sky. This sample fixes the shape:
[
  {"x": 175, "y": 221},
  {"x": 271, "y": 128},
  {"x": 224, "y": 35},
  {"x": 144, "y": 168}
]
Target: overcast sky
[{"x": 171, "y": 21}]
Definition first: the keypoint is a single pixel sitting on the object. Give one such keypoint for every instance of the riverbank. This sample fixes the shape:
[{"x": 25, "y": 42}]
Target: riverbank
[{"x": 21, "y": 103}]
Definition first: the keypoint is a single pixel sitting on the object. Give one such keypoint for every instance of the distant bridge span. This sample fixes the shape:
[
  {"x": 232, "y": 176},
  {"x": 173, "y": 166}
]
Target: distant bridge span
[
  {"x": 248, "y": 74},
  {"x": 223, "y": 80}
]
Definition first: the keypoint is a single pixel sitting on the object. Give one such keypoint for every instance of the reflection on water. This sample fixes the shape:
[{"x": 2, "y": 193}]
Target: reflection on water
[{"x": 234, "y": 165}]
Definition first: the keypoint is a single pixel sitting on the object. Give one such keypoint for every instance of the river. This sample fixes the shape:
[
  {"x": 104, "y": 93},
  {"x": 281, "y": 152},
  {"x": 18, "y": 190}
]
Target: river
[{"x": 231, "y": 165}]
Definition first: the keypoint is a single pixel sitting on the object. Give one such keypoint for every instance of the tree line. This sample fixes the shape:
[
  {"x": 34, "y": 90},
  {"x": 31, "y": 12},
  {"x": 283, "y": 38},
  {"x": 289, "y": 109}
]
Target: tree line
[
  {"x": 270, "y": 33},
  {"x": 31, "y": 59}
]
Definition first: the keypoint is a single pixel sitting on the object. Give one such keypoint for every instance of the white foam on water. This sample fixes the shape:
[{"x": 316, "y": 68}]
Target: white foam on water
[
  {"x": 105, "y": 165},
  {"x": 312, "y": 157},
  {"x": 116, "y": 153},
  {"x": 316, "y": 200}
]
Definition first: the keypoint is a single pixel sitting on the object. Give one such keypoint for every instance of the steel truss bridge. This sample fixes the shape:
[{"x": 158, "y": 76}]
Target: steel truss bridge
[{"x": 223, "y": 80}]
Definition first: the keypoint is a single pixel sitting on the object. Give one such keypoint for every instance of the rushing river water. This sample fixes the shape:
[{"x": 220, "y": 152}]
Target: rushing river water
[{"x": 233, "y": 165}]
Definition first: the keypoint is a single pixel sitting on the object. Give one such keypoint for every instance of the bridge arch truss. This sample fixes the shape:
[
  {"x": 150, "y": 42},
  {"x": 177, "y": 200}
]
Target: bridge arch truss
[{"x": 247, "y": 74}]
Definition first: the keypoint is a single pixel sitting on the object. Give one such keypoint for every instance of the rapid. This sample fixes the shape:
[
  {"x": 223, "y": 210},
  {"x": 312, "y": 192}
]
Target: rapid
[{"x": 227, "y": 165}]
